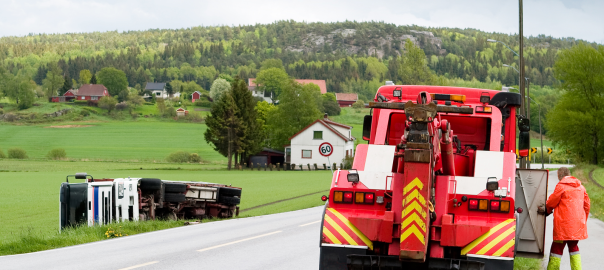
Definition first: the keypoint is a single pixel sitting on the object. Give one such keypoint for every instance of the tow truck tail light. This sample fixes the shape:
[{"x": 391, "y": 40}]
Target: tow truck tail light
[
  {"x": 369, "y": 198},
  {"x": 364, "y": 198},
  {"x": 484, "y": 109},
  {"x": 495, "y": 206},
  {"x": 473, "y": 204},
  {"x": 347, "y": 197},
  {"x": 483, "y": 205},
  {"x": 504, "y": 206}
]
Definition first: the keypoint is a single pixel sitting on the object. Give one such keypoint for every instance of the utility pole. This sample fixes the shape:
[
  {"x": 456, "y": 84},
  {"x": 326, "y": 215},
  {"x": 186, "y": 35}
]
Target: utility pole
[{"x": 523, "y": 161}]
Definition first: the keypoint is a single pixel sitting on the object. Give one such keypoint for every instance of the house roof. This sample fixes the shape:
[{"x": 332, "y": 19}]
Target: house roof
[
  {"x": 320, "y": 83},
  {"x": 155, "y": 86},
  {"x": 196, "y": 92},
  {"x": 92, "y": 90},
  {"x": 328, "y": 124},
  {"x": 347, "y": 96},
  {"x": 181, "y": 110},
  {"x": 73, "y": 91}
]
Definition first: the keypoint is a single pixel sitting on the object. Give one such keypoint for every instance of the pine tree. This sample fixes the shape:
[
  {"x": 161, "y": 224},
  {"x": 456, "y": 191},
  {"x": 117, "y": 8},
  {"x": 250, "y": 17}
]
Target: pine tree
[
  {"x": 250, "y": 133},
  {"x": 223, "y": 127},
  {"x": 93, "y": 79},
  {"x": 67, "y": 84}
]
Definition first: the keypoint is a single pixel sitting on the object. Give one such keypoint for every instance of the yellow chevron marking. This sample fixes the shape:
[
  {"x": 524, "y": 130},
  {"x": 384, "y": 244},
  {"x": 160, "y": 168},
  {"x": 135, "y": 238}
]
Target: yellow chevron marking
[
  {"x": 413, "y": 230},
  {"x": 505, "y": 247},
  {"x": 341, "y": 231},
  {"x": 417, "y": 219},
  {"x": 417, "y": 207},
  {"x": 415, "y": 183},
  {"x": 413, "y": 195},
  {"x": 492, "y": 231},
  {"x": 353, "y": 228},
  {"x": 496, "y": 241},
  {"x": 330, "y": 236}
]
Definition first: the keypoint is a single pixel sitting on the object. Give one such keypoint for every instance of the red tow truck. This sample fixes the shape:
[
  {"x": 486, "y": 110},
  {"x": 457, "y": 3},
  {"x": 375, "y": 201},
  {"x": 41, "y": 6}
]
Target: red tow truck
[{"x": 437, "y": 186}]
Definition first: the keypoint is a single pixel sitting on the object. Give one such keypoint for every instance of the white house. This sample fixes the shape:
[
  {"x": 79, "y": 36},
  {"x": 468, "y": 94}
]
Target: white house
[
  {"x": 158, "y": 90},
  {"x": 268, "y": 97},
  {"x": 304, "y": 147}
]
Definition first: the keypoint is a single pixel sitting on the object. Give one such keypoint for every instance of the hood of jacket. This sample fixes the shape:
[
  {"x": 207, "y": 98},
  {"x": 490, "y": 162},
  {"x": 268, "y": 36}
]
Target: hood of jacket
[{"x": 571, "y": 181}]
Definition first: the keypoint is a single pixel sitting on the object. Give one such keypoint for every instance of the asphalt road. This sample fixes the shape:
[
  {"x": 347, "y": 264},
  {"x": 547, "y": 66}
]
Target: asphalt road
[
  {"x": 590, "y": 249},
  {"x": 281, "y": 241}
]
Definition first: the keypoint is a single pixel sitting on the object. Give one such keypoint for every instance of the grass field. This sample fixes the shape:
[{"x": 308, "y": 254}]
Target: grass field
[
  {"x": 115, "y": 140},
  {"x": 30, "y": 196}
]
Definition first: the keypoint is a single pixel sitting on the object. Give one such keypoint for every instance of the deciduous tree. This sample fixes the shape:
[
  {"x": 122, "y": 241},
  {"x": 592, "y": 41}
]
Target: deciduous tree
[
  {"x": 114, "y": 79},
  {"x": 107, "y": 103},
  {"x": 414, "y": 68},
  {"x": 577, "y": 120},
  {"x": 85, "y": 76},
  {"x": 219, "y": 87},
  {"x": 54, "y": 80},
  {"x": 272, "y": 81}
]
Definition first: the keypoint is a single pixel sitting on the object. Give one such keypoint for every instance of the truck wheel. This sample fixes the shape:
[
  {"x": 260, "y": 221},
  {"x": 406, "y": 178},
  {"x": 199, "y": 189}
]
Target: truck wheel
[
  {"x": 150, "y": 184},
  {"x": 175, "y": 187},
  {"x": 229, "y": 192},
  {"x": 174, "y": 197},
  {"x": 229, "y": 200}
]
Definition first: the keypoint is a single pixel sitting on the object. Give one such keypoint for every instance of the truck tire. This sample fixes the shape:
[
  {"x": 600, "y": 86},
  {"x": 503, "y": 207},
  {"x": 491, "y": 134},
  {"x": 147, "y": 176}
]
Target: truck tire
[
  {"x": 229, "y": 200},
  {"x": 150, "y": 184},
  {"x": 229, "y": 192},
  {"x": 174, "y": 197},
  {"x": 175, "y": 187}
]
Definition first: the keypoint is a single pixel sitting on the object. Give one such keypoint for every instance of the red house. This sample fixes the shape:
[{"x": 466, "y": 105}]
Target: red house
[
  {"x": 68, "y": 96},
  {"x": 195, "y": 96},
  {"x": 92, "y": 92},
  {"x": 346, "y": 99}
]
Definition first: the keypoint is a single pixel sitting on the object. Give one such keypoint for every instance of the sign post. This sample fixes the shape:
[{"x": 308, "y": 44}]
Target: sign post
[{"x": 326, "y": 149}]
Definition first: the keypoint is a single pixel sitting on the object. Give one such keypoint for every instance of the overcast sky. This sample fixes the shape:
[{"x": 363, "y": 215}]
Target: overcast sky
[{"x": 582, "y": 19}]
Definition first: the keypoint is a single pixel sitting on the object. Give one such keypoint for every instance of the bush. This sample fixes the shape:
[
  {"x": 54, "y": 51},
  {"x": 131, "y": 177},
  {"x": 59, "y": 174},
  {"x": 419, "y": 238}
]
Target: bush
[
  {"x": 121, "y": 106},
  {"x": 179, "y": 157},
  {"x": 84, "y": 113},
  {"x": 56, "y": 154},
  {"x": 1, "y": 111},
  {"x": 194, "y": 158},
  {"x": 17, "y": 153},
  {"x": 203, "y": 103},
  {"x": 2, "y": 154},
  {"x": 359, "y": 104},
  {"x": 170, "y": 112}
]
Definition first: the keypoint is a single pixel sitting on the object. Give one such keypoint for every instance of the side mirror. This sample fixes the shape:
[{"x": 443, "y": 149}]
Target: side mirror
[
  {"x": 367, "y": 127},
  {"x": 524, "y": 125}
]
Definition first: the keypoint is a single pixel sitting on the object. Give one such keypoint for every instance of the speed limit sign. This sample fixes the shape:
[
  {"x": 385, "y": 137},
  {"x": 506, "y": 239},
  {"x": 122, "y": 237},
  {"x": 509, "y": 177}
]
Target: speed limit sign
[{"x": 325, "y": 149}]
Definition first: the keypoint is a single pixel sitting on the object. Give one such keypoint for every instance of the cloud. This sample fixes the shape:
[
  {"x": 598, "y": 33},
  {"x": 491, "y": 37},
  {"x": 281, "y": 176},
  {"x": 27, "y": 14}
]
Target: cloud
[{"x": 558, "y": 18}]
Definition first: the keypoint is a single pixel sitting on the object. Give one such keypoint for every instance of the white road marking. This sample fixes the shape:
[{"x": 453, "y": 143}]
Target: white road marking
[
  {"x": 310, "y": 223},
  {"x": 238, "y": 241},
  {"x": 140, "y": 265}
]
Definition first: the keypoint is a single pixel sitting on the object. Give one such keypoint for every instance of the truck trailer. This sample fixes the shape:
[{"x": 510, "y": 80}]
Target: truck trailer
[
  {"x": 102, "y": 201},
  {"x": 436, "y": 187}
]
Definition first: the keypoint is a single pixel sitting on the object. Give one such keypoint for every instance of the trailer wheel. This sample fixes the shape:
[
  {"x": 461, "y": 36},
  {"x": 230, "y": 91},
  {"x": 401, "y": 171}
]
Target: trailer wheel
[
  {"x": 229, "y": 200},
  {"x": 229, "y": 192},
  {"x": 150, "y": 184},
  {"x": 174, "y": 197},
  {"x": 175, "y": 187}
]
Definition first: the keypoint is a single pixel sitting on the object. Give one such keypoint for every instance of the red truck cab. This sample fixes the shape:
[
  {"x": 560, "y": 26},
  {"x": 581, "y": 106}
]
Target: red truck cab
[{"x": 436, "y": 187}]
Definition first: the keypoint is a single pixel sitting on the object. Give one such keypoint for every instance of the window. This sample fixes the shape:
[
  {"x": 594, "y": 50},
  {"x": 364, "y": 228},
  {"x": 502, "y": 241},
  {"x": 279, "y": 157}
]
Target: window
[
  {"x": 317, "y": 135},
  {"x": 94, "y": 98},
  {"x": 306, "y": 153},
  {"x": 82, "y": 98},
  {"x": 157, "y": 94}
]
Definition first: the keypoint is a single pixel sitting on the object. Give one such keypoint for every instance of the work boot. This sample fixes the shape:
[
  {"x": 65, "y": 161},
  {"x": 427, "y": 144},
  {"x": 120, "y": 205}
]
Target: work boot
[
  {"x": 575, "y": 261},
  {"x": 554, "y": 262}
]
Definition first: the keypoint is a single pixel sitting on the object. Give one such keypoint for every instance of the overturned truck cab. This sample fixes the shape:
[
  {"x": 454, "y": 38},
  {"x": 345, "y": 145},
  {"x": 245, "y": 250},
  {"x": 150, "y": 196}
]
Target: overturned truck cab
[
  {"x": 436, "y": 187},
  {"x": 102, "y": 201}
]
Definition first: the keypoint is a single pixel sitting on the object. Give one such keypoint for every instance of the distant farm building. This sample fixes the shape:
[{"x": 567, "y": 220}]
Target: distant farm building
[
  {"x": 158, "y": 90},
  {"x": 68, "y": 96},
  {"x": 195, "y": 96},
  {"x": 92, "y": 92},
  {"x": 268, "y": 97},
  {"x": 304, "y": 147},
  {"x": 180, "y": 112},
  {"x": 266, "y": 157},
  {"x": 346, "y": 99}
]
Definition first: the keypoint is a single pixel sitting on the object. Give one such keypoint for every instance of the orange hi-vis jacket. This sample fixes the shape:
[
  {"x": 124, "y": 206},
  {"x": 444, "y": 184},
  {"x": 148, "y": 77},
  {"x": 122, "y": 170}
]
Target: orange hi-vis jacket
[{"x": 571, "y": 205}]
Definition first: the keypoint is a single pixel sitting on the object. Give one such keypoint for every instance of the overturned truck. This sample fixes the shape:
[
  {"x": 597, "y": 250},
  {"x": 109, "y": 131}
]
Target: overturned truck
[{"x": 101, "y": 201}]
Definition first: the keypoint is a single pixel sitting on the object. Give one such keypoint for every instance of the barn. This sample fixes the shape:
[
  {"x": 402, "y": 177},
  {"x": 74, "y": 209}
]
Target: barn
[
  {"x": 346, "y": 99},
  {"x": 195, "y": 96}
]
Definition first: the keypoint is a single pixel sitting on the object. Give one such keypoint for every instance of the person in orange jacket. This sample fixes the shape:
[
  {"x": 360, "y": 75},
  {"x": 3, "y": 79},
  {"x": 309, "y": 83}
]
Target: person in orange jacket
[{"x": 571, "y": 205}]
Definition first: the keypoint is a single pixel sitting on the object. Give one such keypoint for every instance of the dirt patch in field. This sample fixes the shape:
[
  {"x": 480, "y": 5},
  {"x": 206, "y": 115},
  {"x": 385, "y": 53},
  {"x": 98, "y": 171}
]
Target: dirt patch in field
[{"x": 69, "y": 126}]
